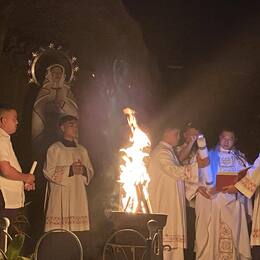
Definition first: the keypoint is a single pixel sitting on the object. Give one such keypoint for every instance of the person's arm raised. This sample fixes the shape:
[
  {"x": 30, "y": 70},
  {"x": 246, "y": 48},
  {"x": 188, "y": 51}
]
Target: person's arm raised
[{"x": 185, "y": 151}]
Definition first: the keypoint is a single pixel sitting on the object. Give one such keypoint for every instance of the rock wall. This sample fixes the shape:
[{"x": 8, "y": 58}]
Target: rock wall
[{"x": 116, "y": 70}]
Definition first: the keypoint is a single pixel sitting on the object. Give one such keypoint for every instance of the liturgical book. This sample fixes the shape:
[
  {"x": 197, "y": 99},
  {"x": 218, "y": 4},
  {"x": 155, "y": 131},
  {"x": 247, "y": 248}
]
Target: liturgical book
[{"x": 229, "y": 178}]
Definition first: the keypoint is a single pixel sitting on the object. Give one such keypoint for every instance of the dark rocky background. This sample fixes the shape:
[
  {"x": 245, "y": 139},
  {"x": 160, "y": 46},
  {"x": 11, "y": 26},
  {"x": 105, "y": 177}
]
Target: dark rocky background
[
  {"x": 97, "y": 33},
  {"x": 208, "y": 55},
  {"x": 181, "y": 61}
]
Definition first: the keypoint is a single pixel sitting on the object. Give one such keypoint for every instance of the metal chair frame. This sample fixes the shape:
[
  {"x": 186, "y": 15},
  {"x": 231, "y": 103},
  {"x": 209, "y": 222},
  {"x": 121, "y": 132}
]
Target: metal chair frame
[
  {"x": 55, "y": 231},
  {"x": 121, "y": 248}
]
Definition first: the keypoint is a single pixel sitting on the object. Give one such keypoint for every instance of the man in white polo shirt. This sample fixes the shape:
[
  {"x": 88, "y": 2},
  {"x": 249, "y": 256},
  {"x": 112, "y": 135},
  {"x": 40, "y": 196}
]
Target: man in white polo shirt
[{"x": 11, "y": 177}]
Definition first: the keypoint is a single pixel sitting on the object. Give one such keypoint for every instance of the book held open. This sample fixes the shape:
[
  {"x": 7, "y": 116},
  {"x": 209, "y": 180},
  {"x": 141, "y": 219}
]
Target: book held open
[{"x": 229, "y": 178}]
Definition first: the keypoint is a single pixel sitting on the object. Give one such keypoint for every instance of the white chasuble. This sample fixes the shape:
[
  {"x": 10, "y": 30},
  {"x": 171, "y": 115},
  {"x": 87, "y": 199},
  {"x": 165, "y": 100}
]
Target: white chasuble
[
  {"x": 248, "y": 186},
  {"x": 66, "y": 203},
  {"x": 221, "y": 223},
  {"x": 167, "y": 194}
]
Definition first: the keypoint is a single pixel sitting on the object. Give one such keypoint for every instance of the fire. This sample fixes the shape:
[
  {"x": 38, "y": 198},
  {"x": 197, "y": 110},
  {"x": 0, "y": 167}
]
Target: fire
[{"x": 133, "y": 172}]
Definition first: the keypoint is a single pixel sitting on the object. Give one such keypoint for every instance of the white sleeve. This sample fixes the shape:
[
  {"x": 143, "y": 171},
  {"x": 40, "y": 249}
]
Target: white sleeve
[
  {"x": 4, "y": 151},
  {"x": 87, "y": 163},
  {"x": 52, "y": 171},
  {"x": 251, "y": 181},
  {"x": 176, "y": 171}
]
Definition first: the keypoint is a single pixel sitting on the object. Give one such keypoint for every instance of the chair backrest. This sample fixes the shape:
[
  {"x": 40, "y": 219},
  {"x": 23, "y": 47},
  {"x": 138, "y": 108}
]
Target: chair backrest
[{"x": 58, "y": 244}]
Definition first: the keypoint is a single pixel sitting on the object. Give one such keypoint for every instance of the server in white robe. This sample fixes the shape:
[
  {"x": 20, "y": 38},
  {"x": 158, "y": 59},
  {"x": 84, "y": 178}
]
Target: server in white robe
[
  {"x": 249, "y": 186},
  {"x": 221, "y": 225},
  {"x": 167, "y": 192},
  {"x": 68, "y": 170}
]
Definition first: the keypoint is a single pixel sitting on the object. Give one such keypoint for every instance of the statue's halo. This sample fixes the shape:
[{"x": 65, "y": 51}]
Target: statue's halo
[{"x": 44, "y": 58}]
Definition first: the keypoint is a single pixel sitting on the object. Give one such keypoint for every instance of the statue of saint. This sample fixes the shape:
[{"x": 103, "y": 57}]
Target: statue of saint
[{"x": 55, "y": 99}]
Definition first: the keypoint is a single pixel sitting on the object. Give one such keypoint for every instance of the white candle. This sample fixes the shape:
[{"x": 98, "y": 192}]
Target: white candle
[
  {"x": 5, "y": 229},
  {"x": 33, "y": 167}
]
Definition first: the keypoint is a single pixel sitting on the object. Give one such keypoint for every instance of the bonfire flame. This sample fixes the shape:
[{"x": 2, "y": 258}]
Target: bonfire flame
[{"x": 133, "y": 173}]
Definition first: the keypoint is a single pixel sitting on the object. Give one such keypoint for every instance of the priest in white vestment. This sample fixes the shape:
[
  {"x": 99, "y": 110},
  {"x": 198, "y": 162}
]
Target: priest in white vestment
[
  {"x": 249, "y": 186},
  {"x": 194, "y": 145},
  {"x": 167, "y": 192},
  {"x": 68, "y": 170},
  {"x": 221, "y": 222}
]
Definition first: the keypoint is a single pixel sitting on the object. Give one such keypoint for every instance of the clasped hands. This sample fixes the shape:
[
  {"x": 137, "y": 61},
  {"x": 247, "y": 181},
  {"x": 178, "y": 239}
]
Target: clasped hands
[
  {"x": 29, "y": 182},
  {"x": 78, "y": 168}
]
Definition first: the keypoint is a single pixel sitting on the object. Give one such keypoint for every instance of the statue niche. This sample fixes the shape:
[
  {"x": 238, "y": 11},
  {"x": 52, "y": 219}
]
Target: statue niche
[{"x": 53, "y": 70}]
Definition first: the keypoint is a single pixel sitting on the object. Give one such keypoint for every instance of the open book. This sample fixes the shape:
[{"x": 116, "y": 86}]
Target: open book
[{"x": 229, "y": 178}]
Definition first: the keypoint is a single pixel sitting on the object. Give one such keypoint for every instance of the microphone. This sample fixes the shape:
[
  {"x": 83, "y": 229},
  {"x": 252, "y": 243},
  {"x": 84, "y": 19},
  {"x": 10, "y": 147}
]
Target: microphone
[{"x": 239, "y": 156}]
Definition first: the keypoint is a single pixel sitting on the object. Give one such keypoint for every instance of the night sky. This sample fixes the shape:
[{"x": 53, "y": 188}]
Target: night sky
[{"x": 208, "y": 55}]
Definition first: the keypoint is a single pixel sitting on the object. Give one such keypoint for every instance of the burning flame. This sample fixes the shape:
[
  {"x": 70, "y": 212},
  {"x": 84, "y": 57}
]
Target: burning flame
[{"x": 133, "y": 173}]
